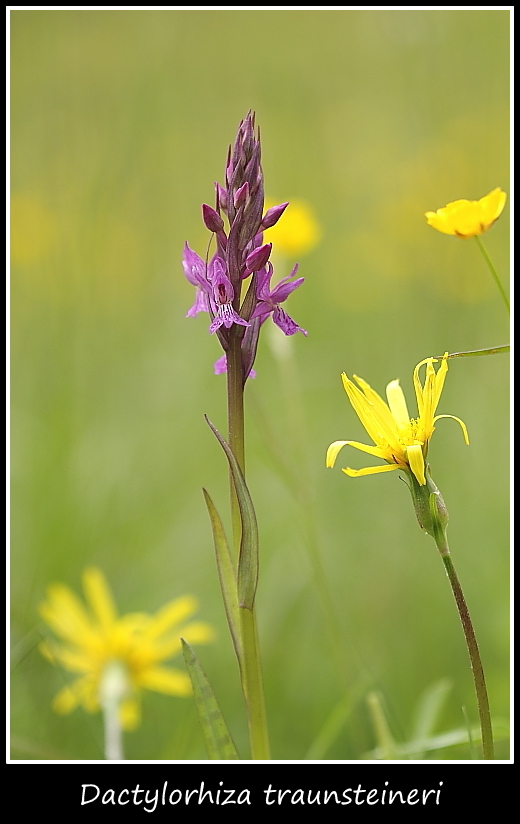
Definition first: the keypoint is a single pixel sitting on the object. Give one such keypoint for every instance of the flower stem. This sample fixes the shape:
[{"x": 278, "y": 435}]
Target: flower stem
[
  {"x": 493, "y": 271},
  {"x": 113, "y": 686},
  {"x": 473, "y": 650},
  {"x": 250, "y": 667},
  {"x": 253, "y": 687},
  {"x": 235, "y": 385}
]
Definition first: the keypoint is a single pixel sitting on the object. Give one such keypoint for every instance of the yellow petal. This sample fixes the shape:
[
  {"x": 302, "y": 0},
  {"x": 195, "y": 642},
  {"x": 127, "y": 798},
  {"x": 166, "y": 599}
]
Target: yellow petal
[
  {"x": 64, "y": 701},
  {"x": 170, "y": 614},
  {"x": 438, "y": 221},
  {"x": 462, "y": 425},
  {"x": 163, "y": 679},
  {"x": 373, "y": 412},
  {"x": 416, "y": 460},
  {"x": 333, "y": 451},
  {"x": 370, "y": 470},
  {"x": 74, "y": 660},
  {"x": 397, "y": 404},
  {"x": 428, "y": 396},
  {"x": 377, "y": 451},
  {"x": 386, "y": 424},
  {"x": 129, "y": 714},
  {"x": 66, "y": 615},
  {"x": 198, "y": 632},
  {"x": 82, "y": 691},
  {"x": 99, "y": 596},
  {"x": 492, "y": 205}
]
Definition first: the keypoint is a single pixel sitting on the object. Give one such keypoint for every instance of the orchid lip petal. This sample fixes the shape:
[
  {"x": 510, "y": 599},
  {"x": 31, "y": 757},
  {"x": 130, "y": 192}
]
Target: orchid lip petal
[
  {"x": 286, "y": 323},
  {"x": 226, "y": 316}
]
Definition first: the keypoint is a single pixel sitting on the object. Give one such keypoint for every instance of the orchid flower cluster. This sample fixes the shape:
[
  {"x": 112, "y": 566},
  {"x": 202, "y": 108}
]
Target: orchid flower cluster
[{"x": 240, "y": 255}]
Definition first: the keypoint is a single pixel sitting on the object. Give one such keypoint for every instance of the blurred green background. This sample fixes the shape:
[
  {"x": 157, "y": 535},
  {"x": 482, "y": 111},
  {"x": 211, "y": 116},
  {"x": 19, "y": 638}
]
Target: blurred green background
[{"x": 121, "y": 122}]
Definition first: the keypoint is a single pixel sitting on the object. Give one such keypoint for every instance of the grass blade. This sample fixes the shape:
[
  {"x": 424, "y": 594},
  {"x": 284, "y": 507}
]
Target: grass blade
[
  {"x": 429, "y": 709},
  {"x": 218, "y": 741},
  {"x": 495, "y": 350}
]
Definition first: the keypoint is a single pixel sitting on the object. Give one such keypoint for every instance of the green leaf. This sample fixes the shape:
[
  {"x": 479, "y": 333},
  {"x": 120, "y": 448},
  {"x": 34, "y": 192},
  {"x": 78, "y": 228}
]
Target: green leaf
[
  {"x": 247, "y": 577},
  {"x": 226, "y": 574},
  {"x": 218, "y": 741},
  {"x": 495, "y": 350}
]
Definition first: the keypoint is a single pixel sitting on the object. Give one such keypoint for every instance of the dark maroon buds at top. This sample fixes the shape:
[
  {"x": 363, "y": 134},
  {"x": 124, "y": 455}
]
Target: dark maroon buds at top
[
  {"x": 258, "y": 258},
  {"x": 212, "y": 219},
  {"x": 273, "y": 215}
]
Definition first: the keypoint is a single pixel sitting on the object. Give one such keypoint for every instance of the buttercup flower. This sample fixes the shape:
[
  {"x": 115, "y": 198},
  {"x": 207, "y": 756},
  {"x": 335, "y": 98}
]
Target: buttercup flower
[
  {"x": 95, "y": 638},
  {"x": 399, "y": 440},
  {"x": 467, "y": 218}
]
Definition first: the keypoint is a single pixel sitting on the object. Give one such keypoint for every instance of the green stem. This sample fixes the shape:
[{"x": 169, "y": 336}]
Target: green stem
[
  {"x": 250, "y": 667},
  {"x": 473, "y": 650},
  {"x": 493, "y": 271},
  {"x": 253, "y": 687},
  {"x": 235, "y": 385}
]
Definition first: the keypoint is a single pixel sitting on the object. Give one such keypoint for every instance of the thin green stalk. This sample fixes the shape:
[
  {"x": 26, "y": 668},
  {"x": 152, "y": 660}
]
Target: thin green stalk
[
  {"x": 250, "y": 667},
  {"x": 493, "y": 271},
  {"x": 253, "y": 687},
  {"x": 235, "y": 426},
  {"x": 473, "y": 650}
]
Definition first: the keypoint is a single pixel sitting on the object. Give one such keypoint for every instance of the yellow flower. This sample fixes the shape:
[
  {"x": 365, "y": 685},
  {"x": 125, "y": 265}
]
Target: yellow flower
[
  {"x": 96, "y": 639},
  {"x": 467, "y": 218},
  {"x": 297, "y": 232},
  {"x": 399, "y": 440}
]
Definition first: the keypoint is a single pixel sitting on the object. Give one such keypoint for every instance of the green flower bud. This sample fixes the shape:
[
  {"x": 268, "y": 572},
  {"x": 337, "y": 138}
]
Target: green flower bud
[{"x": 429, "y": 505}]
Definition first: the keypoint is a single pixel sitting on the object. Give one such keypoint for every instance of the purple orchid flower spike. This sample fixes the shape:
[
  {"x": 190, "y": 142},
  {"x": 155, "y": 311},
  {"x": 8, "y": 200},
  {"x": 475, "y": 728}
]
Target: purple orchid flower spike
[
  {"x": 234, "y": 287},
  {"x": 269, "y": 300}
]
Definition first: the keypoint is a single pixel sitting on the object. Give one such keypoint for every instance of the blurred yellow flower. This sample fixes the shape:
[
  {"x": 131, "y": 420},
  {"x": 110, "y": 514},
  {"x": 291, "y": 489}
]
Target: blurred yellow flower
[
  {"x": 467, "y": 218},
  {"x": 96, "y": 639},
  {"x": 297, "y": 232},
  {"x": 34, "y": 229},
  {"x": 399, "y": 440}
]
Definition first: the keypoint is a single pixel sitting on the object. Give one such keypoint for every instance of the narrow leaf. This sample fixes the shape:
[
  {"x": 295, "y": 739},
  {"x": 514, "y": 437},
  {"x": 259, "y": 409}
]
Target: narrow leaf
[
  {"x": 217, "y": 740},
  {"x": 429, "y": 709},
  {"x": 226, "y": 574},
  {"x": 387, "y": 749},
  {"x": 247, "y": 577},
  {"x": 331, "y": 729},
  {"x": 452, "y": 738},
  {"x": 495, "y": 350}
]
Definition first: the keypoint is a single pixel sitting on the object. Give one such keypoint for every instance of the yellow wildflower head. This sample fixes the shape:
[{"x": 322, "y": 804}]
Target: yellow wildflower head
[
  {"x": 95, "y": 639},
  {"x": 467, "y": 218},
  {"x": 399, "y": 440},
  {"x": 297, "y": 232}
]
